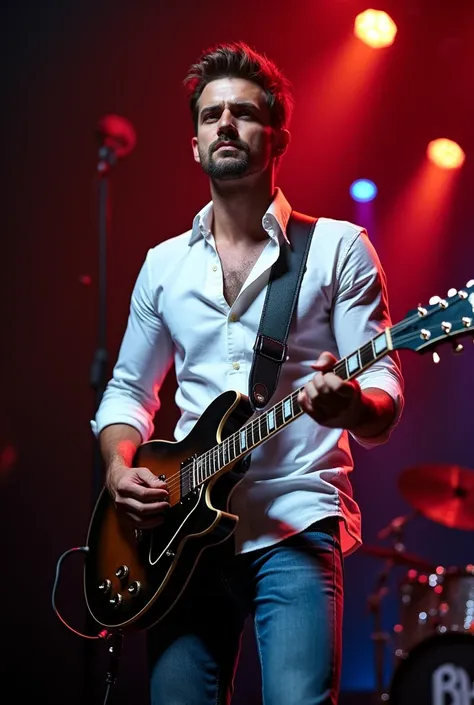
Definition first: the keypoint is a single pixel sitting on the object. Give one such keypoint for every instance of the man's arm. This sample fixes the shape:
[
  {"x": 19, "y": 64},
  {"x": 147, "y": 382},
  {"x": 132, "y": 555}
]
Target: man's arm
[
  {"x": 125, "y": 416},
  {"x": 370, "y": 406}
]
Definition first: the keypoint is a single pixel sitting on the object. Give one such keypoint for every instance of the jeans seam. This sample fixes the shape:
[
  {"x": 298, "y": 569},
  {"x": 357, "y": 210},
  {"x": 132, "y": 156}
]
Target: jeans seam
[
  {"x": 335, "y": 645},
  {"x": 259, "y": 647}
]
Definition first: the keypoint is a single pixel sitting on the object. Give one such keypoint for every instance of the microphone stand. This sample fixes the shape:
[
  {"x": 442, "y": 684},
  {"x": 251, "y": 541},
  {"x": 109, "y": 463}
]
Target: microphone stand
[{"x": 107, "y": 158}]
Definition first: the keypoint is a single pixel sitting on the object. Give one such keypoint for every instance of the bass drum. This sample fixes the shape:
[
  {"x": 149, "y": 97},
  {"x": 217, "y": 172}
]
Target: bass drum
[{"x": 438, "y": 671}]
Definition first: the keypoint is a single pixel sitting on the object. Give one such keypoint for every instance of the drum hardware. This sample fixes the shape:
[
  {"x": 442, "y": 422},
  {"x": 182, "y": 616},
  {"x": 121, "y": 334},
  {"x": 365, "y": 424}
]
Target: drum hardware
[{"x": 378, "y": 636}]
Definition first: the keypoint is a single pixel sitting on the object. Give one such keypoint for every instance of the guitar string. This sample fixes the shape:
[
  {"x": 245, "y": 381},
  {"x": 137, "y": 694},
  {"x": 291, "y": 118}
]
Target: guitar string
[{"x": 174, "y": 481}]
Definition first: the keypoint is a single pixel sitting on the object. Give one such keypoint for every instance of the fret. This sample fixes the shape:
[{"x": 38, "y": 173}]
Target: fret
[
  {"x": 341, "y": 369},
  {"x": 279, "y": 415},
  {"x": 294, "y": 404},
  {"x": 261, "y": 427},
  {"x": 213, "y": 460},
  {"x": 205, "y": 467},
  {"x": 197, "y": 464},
  {"x": 249, "y": 435},
  {"x": 367, "y": 355},
  {"x": 231, "y": 442},
  {"x": 220, "y": 456},
  {"x": 264, "y": 425}
]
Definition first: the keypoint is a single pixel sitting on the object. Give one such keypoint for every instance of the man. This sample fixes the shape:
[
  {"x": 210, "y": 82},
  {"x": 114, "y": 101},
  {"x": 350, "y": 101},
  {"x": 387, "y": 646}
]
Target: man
[{"x": 198, "y": 301}]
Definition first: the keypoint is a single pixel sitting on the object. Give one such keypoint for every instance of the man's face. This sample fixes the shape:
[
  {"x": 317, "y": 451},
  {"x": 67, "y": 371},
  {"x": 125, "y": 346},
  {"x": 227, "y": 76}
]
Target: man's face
[{"x": 234, "y": 136}]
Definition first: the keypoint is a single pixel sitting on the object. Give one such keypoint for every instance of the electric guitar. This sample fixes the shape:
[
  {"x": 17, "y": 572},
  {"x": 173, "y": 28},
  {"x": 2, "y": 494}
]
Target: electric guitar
[{"x": 133, "y": 578}]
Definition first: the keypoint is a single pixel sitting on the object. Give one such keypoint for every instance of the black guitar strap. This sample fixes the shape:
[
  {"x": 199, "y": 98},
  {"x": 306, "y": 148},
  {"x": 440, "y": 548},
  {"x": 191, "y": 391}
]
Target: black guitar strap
[{"x": 270, "y": 349}]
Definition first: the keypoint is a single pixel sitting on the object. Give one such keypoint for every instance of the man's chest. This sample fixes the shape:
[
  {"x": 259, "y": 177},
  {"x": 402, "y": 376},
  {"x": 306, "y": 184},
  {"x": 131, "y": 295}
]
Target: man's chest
[{"x": 236, "y": 267}]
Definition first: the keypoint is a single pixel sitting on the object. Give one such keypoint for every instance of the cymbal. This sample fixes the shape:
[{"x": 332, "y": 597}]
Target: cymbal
[
  {"x": 442, "y": 493},
  {"x": 399, "y": 557}
]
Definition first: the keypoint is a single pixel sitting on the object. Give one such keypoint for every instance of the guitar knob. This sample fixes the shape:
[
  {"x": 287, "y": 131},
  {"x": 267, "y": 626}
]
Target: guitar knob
[
  {"x": 116, "y": 601},
  {"x": 134, "y": 588},
  {"x": 122, "y": 572},
  {"x": 104, "y": 587}
]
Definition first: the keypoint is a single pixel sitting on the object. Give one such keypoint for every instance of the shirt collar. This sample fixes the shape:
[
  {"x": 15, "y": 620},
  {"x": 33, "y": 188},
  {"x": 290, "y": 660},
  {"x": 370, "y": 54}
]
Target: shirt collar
[{"x": 274, "y": 221}]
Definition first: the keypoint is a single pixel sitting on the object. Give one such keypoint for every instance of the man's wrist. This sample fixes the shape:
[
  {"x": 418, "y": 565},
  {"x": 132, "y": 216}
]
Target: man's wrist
[{"x": 375, "y": 414}]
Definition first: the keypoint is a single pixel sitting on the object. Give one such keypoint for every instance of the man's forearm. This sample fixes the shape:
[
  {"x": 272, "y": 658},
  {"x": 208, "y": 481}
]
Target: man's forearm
[
  {"x": 377, "y": 414},
  {"x": 118, "y": 444}
]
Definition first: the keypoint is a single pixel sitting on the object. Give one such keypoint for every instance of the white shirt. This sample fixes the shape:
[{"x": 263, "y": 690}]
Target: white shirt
[{"x": 178, "y": 313}]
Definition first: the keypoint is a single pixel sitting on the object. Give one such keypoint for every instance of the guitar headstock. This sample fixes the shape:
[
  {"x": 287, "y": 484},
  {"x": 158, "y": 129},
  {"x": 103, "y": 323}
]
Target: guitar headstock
[{"x": 441, "y": 320}]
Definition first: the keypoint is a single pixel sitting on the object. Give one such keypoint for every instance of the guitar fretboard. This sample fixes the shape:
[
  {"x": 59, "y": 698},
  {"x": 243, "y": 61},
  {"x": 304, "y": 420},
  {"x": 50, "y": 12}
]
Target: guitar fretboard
[{"x": 257, "y": 430}]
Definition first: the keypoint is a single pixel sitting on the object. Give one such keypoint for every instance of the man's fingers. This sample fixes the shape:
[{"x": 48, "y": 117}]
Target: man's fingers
[
  {"x": 325, "y": 362},
  {"x": 128, "y": 504}
]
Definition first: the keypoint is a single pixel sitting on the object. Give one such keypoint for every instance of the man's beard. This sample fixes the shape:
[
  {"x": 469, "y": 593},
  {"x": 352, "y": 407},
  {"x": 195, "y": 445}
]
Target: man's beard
[{"x": 227, "y": 168}]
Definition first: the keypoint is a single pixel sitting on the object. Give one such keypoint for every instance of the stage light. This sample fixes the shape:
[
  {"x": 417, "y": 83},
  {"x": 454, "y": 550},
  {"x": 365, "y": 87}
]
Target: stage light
[
  {"x": 363, "y": 190},
  {"x": 375, "y": 28},
  {"x": 446, "y": 154}
]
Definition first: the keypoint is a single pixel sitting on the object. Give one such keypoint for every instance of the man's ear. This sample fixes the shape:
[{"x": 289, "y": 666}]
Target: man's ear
[
  {"x": 194, "y": 144},
  {"x": 281, "y": 140}
]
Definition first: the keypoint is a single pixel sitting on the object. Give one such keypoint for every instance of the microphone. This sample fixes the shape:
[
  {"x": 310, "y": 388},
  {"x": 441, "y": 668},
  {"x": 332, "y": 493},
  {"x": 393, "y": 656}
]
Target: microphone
[
  {"x": 395, "y": 526},
  {"x": 117, "y": 138}
]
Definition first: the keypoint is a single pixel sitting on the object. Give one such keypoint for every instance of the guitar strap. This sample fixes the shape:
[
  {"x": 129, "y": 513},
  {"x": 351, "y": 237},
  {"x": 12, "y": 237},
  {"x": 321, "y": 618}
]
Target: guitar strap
[{"x": 270, "y": 349}]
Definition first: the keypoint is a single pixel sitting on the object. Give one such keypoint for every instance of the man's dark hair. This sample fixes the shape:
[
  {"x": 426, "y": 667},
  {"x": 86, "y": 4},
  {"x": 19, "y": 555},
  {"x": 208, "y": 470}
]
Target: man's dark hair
[{"x": 238, "y": 60}]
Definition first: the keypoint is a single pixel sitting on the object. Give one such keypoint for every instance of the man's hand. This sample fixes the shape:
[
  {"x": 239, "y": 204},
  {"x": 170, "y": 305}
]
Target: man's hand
[
  {"x": 328, "y": 399},
  {"x": 138, "y": 495}
]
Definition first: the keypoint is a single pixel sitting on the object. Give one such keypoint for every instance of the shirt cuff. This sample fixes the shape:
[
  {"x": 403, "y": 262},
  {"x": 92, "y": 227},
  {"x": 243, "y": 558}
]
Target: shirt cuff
[
  {"x": 392, "y": 387},
  {"x": 130, "y": 414}
]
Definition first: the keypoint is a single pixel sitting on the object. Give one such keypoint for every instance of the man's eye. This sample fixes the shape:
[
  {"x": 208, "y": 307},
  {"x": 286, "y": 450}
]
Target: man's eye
[{"x": 210, "y": 118}]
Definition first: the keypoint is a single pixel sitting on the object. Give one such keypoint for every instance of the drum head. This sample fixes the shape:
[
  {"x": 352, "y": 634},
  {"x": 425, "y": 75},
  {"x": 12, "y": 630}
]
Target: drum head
[{"x": 439, "y": 671}]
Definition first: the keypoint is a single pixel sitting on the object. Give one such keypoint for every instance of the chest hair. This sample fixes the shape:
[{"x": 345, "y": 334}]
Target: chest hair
[{"x": 236, "y": 267}]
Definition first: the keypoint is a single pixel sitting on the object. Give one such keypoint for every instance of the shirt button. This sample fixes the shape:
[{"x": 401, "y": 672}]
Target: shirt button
[
  {"x": 214, "y": 267},
  {"x": 236, "y": 366},
  {"x": 234, "y": 317}
]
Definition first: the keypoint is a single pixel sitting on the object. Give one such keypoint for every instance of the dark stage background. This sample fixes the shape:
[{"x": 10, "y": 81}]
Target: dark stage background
[{"x": 358, "y": 113}]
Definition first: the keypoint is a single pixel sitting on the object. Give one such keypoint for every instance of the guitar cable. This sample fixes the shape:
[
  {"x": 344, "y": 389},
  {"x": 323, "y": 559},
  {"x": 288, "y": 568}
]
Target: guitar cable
[{"x": 104, "y": 634}]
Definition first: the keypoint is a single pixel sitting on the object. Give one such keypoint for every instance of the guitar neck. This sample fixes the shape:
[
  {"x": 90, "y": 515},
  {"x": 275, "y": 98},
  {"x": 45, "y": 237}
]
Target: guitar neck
[{"x": 284, "y": 412}]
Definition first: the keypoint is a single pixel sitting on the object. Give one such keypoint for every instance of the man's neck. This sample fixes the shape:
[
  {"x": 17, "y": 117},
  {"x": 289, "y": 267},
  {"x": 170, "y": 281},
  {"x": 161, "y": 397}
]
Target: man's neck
[{"x": 238, "y": 211}]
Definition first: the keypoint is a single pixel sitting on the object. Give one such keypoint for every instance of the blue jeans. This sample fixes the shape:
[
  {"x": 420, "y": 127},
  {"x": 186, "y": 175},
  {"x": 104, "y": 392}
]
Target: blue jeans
[{"x": 294, "y": 590}]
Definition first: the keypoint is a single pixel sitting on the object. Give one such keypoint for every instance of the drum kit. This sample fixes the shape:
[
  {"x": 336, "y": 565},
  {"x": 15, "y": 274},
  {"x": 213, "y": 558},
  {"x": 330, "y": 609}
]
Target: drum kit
[{"x": 433, "y": 655}]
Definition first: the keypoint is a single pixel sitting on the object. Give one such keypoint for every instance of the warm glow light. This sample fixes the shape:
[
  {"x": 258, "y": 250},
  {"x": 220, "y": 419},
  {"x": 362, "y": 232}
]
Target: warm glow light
[
  {"x": 446, "y": 154},
  {"x": 375, "y": 28}
]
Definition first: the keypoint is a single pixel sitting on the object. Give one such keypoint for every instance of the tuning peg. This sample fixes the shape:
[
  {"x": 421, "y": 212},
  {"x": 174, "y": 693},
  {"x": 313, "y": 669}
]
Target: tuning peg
[
  {"x": 457, "y": 347},
  {"x": 452, "y": 292},
  {"x": 470, "y": 283},
  {"x": 436, "y": 358}
]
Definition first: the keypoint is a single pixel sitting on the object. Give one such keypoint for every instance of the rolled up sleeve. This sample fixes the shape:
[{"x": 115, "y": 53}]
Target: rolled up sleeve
[
  {"x": 145, "y": 356},
  {"x": 360, "y": 313}
]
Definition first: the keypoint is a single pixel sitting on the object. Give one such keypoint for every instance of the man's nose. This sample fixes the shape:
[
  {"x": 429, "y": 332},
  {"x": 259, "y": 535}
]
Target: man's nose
[{"x": 227, "y": 125}]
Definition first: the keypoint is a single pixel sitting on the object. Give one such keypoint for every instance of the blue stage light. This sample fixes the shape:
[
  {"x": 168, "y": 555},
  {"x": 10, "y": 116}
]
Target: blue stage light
[{"x": 363, "y": 190}]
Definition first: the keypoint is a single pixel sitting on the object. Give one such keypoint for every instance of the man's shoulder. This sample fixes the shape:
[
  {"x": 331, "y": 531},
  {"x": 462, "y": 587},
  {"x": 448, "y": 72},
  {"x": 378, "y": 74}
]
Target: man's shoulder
[
  {"x": 175, "y": 243},
  {"x": 338, "y": 229}
]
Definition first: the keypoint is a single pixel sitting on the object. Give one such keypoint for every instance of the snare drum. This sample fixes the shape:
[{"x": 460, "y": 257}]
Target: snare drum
[{"x": 439, "y": 671}]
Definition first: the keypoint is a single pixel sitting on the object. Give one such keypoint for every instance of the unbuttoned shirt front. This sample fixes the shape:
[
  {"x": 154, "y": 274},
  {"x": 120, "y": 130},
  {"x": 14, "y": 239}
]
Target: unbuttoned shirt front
[{"x": 178, "y": 314}]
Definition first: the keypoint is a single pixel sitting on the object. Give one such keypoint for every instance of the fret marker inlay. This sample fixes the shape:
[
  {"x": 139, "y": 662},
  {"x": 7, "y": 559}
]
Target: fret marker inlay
[
  {"x": 353, "y": 363},
  {"x": 380, "y": 344}
]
